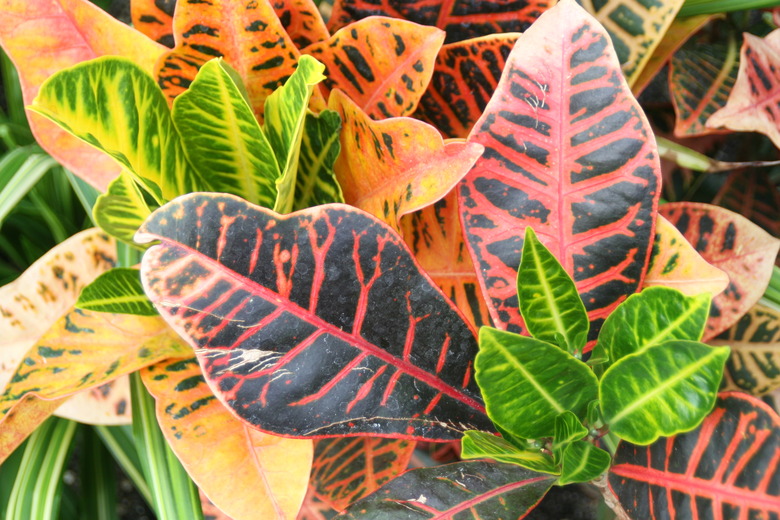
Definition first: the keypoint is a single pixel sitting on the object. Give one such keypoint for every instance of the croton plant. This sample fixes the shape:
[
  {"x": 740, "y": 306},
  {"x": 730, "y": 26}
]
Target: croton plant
[{"x": 431, "y": 222}]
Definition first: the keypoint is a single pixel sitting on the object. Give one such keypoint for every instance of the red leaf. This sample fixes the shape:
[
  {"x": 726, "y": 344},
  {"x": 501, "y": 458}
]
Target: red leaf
[
  {"x": 316, "y": 323},
  {"x": 752, "y": 194},
  {"x": 569, "y": 152},
  {"x": 726, "y": 468}
]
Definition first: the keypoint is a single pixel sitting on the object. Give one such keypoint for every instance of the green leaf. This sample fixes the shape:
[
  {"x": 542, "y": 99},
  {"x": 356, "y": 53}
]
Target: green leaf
[
  {"x": 568, "y": 429},
  {"x": 285, "y": 114},
  {"x": 655, "y": 315},
  {"x": 119, "y": 291},
  {"x": 114, "y": 105},
  {"x": 222, "y": 137},
  {"x": 583, "y": 462},
  {"x": 527, "y": 383},
  {"x": 478, "y": 445},
  {"x": 665, "y": 389},
  {"x": 316, "y": 181},
  {"x": 121, "y": 210},
  {"x": 549, "y": 302},
  {"x": 20, "y": 170}
]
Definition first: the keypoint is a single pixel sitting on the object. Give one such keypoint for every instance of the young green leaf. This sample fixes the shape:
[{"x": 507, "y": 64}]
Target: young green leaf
[
  {"x": 477, "y": 445},
  {"x": 568, "y": 429},
  {"x": 316, "y": 181},
  {"x": 583, "y": 462},
  {"x": 119, "y": 291},
  {"x": 655, "y": 315},
  {"x": 662, "y": 390},
  {"x": 527, "y": 383},
  {"x": 549, "y": 301},
  {"x": 121, "y": 210},
  {"x": 222, "y": 137},
  {"x": 285, "y": 114}
]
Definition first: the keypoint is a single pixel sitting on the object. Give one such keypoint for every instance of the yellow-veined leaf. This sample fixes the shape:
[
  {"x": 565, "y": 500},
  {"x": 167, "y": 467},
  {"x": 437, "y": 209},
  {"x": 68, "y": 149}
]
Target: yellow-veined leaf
[
  {"x": 121, "y": 210},
  {"x": 316, "y": 181}
]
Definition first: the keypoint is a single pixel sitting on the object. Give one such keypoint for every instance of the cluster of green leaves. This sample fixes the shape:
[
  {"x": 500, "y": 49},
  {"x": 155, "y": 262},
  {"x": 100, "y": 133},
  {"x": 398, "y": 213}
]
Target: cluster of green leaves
[{"x": 650, "y": 375}]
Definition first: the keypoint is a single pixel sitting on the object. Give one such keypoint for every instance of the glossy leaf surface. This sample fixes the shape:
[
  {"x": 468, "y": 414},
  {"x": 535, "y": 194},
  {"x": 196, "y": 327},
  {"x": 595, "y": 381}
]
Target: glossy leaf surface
[
  {"x": 121, "y": 210},
  {"x": 480, "y": 445},
  {"x": 662, "y": 390},
  {"x": 726, "y": 468},
  {"x": 583, "y": 462},
  {"x": 676, "y": 264},
  {"x": 568, "y": 429},
  {"x": 154, "y": 18},
  {"x": 461, "y": 19},
  {"x": 732, "y": 243},
  {"x": 527, "y": 383},
  {"x": 472, "y": 490},
  {"x": 347, "y": 469},
  {"x": 549, "y": 302},
  {"x": 396, "y": 166},
  {"x": 268, "y": 475},
  {"x": 752, "y": 104},
  {"x": 302, "y": 21},
  {"x": 464, "y": 77},
  {"x": 264, "y": 299},
  {"x": 119, "y": 291},
  {"x": 316, "y": 181},
  {"x": 382, "y": 64},
  {"x": 754, "y": 365},
  {"x": 569, "y": 152},
  {"x": 44, "y": 36}
]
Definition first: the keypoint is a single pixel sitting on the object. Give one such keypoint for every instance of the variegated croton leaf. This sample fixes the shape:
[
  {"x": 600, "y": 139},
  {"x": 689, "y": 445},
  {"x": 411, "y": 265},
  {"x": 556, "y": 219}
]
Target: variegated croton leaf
[
  {"x": 318, "y": 323},
  {"x": 569, "y": 152},
  {"x": 154, "y": 18},
  {"x": 754, "y": 195}
]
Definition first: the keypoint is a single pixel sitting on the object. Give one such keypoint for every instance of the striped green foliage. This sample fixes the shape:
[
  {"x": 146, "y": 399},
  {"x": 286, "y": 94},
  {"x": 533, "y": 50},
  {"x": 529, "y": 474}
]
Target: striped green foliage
[
  {"x": 118, "y": 290},
  {"x": 122, "y": 208},
  {"x": 222, "y": 136},
  {"x": 583, "y": 462},
  {"x": 479, "y": 445},
  {"x": 664, "y": 389},
  {"x": 316, "y": 181}
]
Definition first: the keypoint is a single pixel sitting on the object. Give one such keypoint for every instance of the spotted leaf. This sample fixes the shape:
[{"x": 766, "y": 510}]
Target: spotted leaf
[
  {"x": 461, "y": 19},
  {"x": 302, "y": 21},
  {"x": 317, "y": 323},
  {"x": 268, "y": 475},
  {"x": 396, "y": 166},
  {"x": 154, "y": 18},
  {"x": 382, "y": 64},
  {"x": 80, "y": 351},
  {"x": 569, "y": 152},
  {"x": 464, "y": 77},
  {"x": 43, "y": 36},
  {"x": 735, "y": 245}
]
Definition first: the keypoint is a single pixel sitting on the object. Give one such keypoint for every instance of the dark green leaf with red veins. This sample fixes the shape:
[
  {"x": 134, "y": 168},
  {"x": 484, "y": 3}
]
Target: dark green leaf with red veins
[
  {"x": 464, "y": 77},
  {"x": 382, "y": 64},
  {"x": 315, "y": 509},
  {"x": 473, "y": 490},
  {"x": 462, "y": 19},
  {"x": 726, "y": 468},
  {"x": 752, "y": 194},
  {"x": 318, "y": 323},
  {"x": 701, "y": 77},
  {"x": 569, "y": 152},
  {"x": 732, "y": 243},
  {"x": 154, "y": 18},
  {"x": 347, "y": 469}
]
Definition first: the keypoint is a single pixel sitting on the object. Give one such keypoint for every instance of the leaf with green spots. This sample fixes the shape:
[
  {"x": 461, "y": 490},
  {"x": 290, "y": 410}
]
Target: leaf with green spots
[
  {"x": 662, "y": 390},
  {"x": 285, "y": 114},
  {"x": 549, "y": 302},
  {"x": 81, "y": 351},
  {"x": 568, "y": 429},
  {"x": 583, "y": 462},
  {"x": 268, "y": 475},
  {"x": 479, "y": 445},
  {"x": 316, "y": 181},
  {"x": 122, "y": 209},
  {"x": 527, "y": 383},
  {"x": 119, "y": 291}
]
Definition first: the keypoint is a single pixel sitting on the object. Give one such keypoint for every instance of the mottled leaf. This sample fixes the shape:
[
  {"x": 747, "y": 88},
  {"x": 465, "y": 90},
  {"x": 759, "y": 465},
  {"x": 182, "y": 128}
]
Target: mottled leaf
[
  {"x": 480, "y": 445},
  {"x": 268, "y": 475},
  {"x": 315, "y": 509},
  {"x": 753, "y": 194},
  {"x": 44, "y": 36},
  {"x": 121, "y": 210},
  {"x": 316, "y": 181},
  {"x": 382, "y": 64},
  {"x": 154, "y": 18},
  {"x": 302, "y": 21},
  {"x": 119, "y": 291},
  {"x": 735, "y": 245},
  {"x": 396, "y": 166},
  {"x": 265, "y": 298}
]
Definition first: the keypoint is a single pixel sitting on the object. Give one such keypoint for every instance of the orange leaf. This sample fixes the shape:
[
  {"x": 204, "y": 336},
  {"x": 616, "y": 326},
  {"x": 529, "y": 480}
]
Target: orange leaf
[
  {"x": 246, "y": 473},
  {"x": 302, "y": 21},
  {"x": 676, "y": 264},
  {"x": 753, "y": 103},
  {"x": 82, "y": 350},
  {"x": 396, "y": 166},
  {"x": 45, "y": 36},
  {"x": 382, "y": 64},
  {"x": 154, "y": 18}
]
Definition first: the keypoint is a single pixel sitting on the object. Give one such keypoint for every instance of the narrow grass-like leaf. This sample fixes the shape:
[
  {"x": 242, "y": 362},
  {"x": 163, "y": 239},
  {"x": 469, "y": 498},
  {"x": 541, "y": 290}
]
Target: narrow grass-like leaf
[
  {"x": 122, "y": 209},
  {"x": 662, "y": 390},
  {"x": 549, "y": 302},
  {"x": 316, "y": 181},
  {"x": 118, "y": 290},
  {"x": 22, "y": 178},
  {"x": 119, "y": 441},
  {"x": 478, "y": 445},
  {"x": 583, "y": 462},
  {"x": 694, "y": 7},
  {"x": 98, "y": 479},
  {"x": 527, "y": 383}
]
